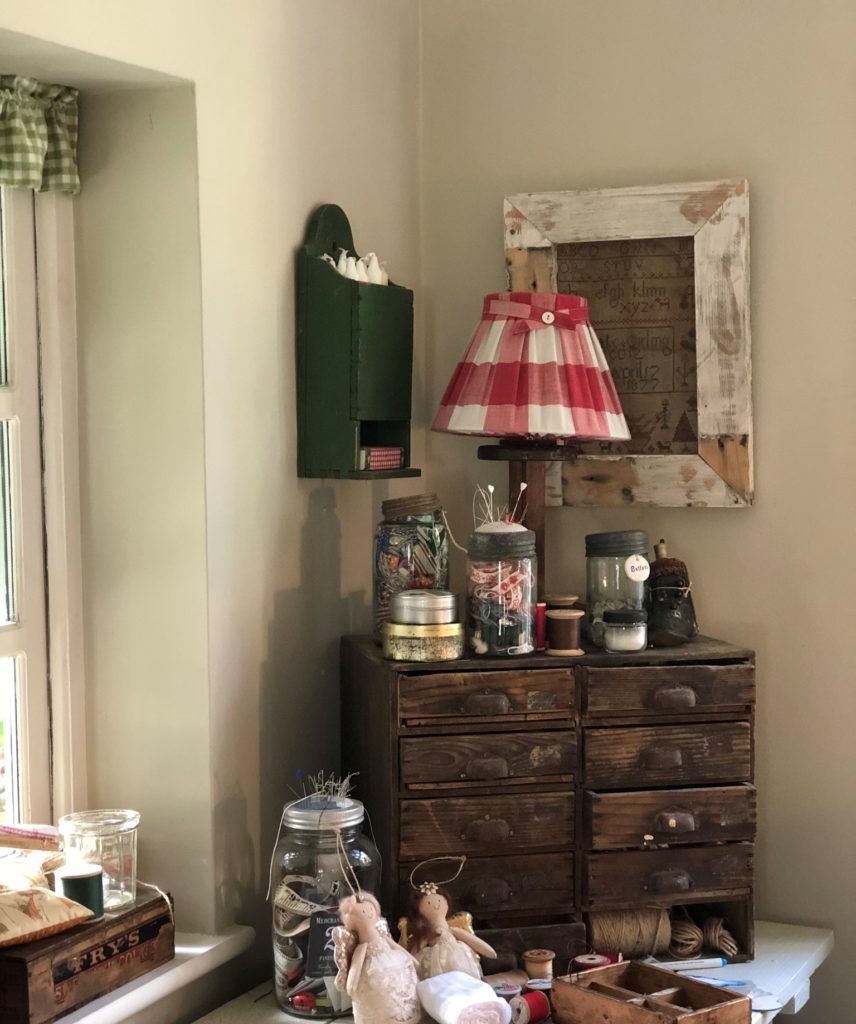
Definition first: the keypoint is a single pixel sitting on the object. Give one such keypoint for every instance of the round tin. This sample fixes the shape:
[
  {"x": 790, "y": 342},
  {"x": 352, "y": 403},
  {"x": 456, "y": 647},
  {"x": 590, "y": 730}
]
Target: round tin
[
  {"x": 423, "y": 607},
  {"x": 408, "y": 642}
]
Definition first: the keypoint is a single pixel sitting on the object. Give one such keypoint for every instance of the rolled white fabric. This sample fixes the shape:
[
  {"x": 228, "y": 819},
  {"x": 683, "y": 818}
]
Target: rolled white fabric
[{"x": 458, "y": 998}]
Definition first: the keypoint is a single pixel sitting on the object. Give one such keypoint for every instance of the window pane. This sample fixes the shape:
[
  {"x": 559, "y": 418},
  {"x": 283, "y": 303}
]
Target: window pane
[
  {"x": 7, "y": 546},
  {"x": 4, "y": 376},
  {"x": 9, "y": 797}
]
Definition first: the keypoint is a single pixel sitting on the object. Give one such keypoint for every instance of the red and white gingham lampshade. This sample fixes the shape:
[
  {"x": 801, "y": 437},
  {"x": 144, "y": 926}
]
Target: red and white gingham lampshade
[{"x": 533, "y": 369}]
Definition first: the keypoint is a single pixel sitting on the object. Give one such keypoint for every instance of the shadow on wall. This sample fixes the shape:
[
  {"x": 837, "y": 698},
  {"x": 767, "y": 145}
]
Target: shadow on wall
[{"x": 298, "y": 705}]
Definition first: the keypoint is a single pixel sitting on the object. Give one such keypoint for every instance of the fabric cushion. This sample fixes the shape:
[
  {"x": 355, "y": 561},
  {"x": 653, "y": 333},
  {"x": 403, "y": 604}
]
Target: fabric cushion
[{"x": 30, "y": 914}]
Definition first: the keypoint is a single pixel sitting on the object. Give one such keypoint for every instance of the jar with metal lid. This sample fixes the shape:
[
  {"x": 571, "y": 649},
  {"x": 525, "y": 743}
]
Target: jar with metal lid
[
  {"x": 411, "y": 551},
  {"x": 501, "y": 589},
  {"x": 616, "y": 570},
  {"x": 625, "y": 630},
  {"x": 321, "y": 855}
]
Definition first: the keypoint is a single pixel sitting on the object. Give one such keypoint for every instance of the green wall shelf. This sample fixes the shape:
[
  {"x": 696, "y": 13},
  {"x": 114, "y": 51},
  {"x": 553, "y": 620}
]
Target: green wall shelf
[{"x": 354, "y": 360}]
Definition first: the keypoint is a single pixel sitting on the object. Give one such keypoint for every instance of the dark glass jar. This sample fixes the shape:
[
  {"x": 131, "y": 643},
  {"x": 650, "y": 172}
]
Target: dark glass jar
[{"x": 411, "y": 551}]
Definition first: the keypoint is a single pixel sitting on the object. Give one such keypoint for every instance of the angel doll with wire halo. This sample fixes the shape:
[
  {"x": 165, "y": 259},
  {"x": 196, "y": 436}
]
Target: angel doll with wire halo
[
  {"x": 437, "y": 942},
  {"x": 377, "y": 973}
]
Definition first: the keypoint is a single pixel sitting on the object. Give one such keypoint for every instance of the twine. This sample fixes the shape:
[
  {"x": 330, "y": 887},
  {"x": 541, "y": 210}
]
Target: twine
[
  {"x": 717, "y": 936},
  {"x": 631, "y": 932},
  {"x": 687, "y": 940},
  {"x": 429, "y": 888}
]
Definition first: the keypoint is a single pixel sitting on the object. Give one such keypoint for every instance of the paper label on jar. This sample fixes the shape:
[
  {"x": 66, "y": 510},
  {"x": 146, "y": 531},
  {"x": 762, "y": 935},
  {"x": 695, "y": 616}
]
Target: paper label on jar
[{"x": 636, "y": 568}]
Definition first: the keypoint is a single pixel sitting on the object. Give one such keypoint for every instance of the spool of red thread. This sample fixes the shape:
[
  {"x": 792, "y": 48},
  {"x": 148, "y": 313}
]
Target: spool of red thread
[
  {"x": 588, "y": 961},
  {"x": 530, "y": 1008},
  {"x": 541, "y": 625}
]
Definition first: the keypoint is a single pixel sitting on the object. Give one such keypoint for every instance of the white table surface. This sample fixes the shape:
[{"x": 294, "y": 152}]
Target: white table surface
[{"x": 786, "y": 956}]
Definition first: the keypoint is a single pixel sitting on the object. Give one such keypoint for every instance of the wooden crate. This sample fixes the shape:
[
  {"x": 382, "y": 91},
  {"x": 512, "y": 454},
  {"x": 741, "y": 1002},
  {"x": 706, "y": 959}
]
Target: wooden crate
[
  {"x": 637, "y": 993},
  {"x": 41, "y": 981}
]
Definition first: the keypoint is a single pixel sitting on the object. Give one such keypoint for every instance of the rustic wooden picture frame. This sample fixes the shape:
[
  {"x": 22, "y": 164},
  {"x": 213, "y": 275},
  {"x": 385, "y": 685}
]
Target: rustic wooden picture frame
[{"x": 716, "y": 216}]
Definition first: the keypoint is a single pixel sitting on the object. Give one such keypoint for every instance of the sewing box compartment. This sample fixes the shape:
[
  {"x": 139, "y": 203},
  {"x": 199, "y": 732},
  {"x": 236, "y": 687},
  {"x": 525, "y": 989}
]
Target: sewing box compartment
[{"x": 634, "y": 992}]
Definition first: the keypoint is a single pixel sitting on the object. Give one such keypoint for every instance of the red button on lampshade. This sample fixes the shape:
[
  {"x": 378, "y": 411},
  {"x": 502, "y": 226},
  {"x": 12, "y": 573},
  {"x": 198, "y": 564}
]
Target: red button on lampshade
[{"x": 533, "y": 369}]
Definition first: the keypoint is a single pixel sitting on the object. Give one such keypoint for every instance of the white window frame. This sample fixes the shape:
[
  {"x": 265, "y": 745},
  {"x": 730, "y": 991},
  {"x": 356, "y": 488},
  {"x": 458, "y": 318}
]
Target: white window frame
[
  {"x": 54, "y": 229},
  {"x": 41, "y": 403}
]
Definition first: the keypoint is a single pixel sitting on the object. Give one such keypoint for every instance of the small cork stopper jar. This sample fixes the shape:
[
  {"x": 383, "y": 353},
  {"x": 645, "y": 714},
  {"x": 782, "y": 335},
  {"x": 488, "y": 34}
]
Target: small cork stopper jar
[{"x": 538, "y": 963}]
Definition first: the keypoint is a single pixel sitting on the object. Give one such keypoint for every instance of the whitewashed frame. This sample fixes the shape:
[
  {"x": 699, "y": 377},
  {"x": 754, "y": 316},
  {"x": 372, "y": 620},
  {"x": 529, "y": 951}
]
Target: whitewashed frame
[{"x": 716, "y": 214}]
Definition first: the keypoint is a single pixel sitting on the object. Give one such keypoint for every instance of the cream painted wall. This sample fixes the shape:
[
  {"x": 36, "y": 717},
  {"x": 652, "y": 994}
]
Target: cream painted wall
[
  {"x": 555, "y": 95},
  {"x": 143, "y": 480},
  {"x": 296, "y": 104}
]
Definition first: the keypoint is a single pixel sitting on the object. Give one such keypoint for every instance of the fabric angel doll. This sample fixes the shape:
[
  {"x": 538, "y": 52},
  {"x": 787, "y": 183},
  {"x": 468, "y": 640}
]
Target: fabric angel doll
[
  {"x": 377, "y": 973},
  {"x": 438, "y": 946}
]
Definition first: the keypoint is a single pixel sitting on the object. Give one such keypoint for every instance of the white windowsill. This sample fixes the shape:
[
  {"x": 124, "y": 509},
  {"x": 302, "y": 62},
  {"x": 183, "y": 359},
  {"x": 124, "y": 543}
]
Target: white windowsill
[{"x": 195, "y": 956}]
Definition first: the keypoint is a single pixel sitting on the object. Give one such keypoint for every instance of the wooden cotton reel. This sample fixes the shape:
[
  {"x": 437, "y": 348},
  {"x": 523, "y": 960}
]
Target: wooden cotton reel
[{"x": 563, "y": 632}]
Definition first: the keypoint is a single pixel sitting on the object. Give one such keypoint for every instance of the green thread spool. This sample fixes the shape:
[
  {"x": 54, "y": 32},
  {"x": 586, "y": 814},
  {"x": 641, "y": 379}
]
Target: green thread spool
[{"x": 84, "y": 884}]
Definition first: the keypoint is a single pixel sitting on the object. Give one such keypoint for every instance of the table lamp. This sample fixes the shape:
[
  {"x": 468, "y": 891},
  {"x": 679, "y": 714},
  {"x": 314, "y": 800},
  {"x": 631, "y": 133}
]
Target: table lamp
[{"x": 535, "y": 376}]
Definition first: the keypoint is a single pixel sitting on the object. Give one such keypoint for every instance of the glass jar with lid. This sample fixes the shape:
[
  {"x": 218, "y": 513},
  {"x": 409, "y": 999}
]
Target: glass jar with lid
[
  {"x": 501, "y": 589},
  {"x": 616, "y": 570},
  {"x": 320, "y": 857},
  {"x": 411, "y": 551},
  {"x": 625, "y": 630},
  {"x": 107, "y": 838}
]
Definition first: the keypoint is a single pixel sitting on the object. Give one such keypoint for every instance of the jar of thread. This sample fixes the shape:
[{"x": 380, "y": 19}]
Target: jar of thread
[
  {"x": 501, "y": 590},
  {"x": 411, "y": 551}
]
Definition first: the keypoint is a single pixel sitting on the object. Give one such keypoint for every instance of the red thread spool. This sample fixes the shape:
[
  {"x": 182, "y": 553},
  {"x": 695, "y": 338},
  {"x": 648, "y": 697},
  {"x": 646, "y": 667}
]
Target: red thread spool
[
  {"x": 530, "y": 1008},
  {"x": 540, "y": 625},
  {"x": 588, "y": 961}
]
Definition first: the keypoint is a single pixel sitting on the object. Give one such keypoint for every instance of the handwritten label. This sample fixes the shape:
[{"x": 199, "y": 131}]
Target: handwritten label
[{"x": 636, "y": 568}]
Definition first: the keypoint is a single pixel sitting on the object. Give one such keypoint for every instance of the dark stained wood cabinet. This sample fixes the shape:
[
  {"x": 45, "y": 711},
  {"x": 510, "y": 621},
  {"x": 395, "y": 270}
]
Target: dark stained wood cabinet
[{"x": 572, "y": 784}]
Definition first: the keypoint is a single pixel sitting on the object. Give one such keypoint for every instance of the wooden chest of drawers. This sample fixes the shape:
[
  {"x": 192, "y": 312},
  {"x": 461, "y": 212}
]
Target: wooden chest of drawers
[{"x": 572, "y": 785}]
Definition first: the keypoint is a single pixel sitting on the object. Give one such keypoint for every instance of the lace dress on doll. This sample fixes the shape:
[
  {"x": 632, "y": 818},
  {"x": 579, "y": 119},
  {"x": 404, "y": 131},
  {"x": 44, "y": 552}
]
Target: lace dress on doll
[
  {"x": 447, "y": 954},
  {"x": 386, "y": 992}
]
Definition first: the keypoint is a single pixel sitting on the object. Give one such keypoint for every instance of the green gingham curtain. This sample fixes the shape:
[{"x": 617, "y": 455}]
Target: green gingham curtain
[{"x": 38, "y": 135}]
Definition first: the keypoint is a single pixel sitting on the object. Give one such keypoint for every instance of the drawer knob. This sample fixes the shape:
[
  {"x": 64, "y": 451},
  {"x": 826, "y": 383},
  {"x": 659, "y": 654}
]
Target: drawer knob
[
  {"x": 486, "y": 703},
  {"x": 673, "y": 697},
  {"x": 662, "y": 758},
  {"x": 675, "y": 821},
  {"x": 493, "y": 892},
  {"x": 670, "y": 880},
  {"x": 487, "y": 768},
  {"x": 487, "y": 831}
]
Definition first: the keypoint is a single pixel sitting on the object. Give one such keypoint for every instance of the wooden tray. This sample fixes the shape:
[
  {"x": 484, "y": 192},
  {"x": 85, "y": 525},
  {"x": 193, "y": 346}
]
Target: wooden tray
[{"x": 636, "y": 993}]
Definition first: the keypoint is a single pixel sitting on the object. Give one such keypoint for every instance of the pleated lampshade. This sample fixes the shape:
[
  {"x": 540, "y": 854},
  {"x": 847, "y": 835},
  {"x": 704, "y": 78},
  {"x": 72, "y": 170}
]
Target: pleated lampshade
[{"x": 533, "y": 369}]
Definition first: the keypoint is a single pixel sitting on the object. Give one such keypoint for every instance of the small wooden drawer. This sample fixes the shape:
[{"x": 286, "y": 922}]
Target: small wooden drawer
[
  {"x": 668, "y": 876},
  {"x": 668, "y": 755},
  {"x": 487, "y": 759},
  {"x": 486, "y": 825},
  {"x": 669, "y": 690},
  {"x": 514, "y": 696},
  {"x": 675, "y": 816},
  {"x": 492, "y": 885}
]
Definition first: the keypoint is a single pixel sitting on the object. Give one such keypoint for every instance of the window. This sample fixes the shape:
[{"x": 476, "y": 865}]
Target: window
[
  {"x": 24, "y": 720},
  {"x": 42, "y": 741}
]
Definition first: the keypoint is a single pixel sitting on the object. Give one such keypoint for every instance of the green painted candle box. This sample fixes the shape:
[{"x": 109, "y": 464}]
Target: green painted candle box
[{"x": 44, "y": 980}]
